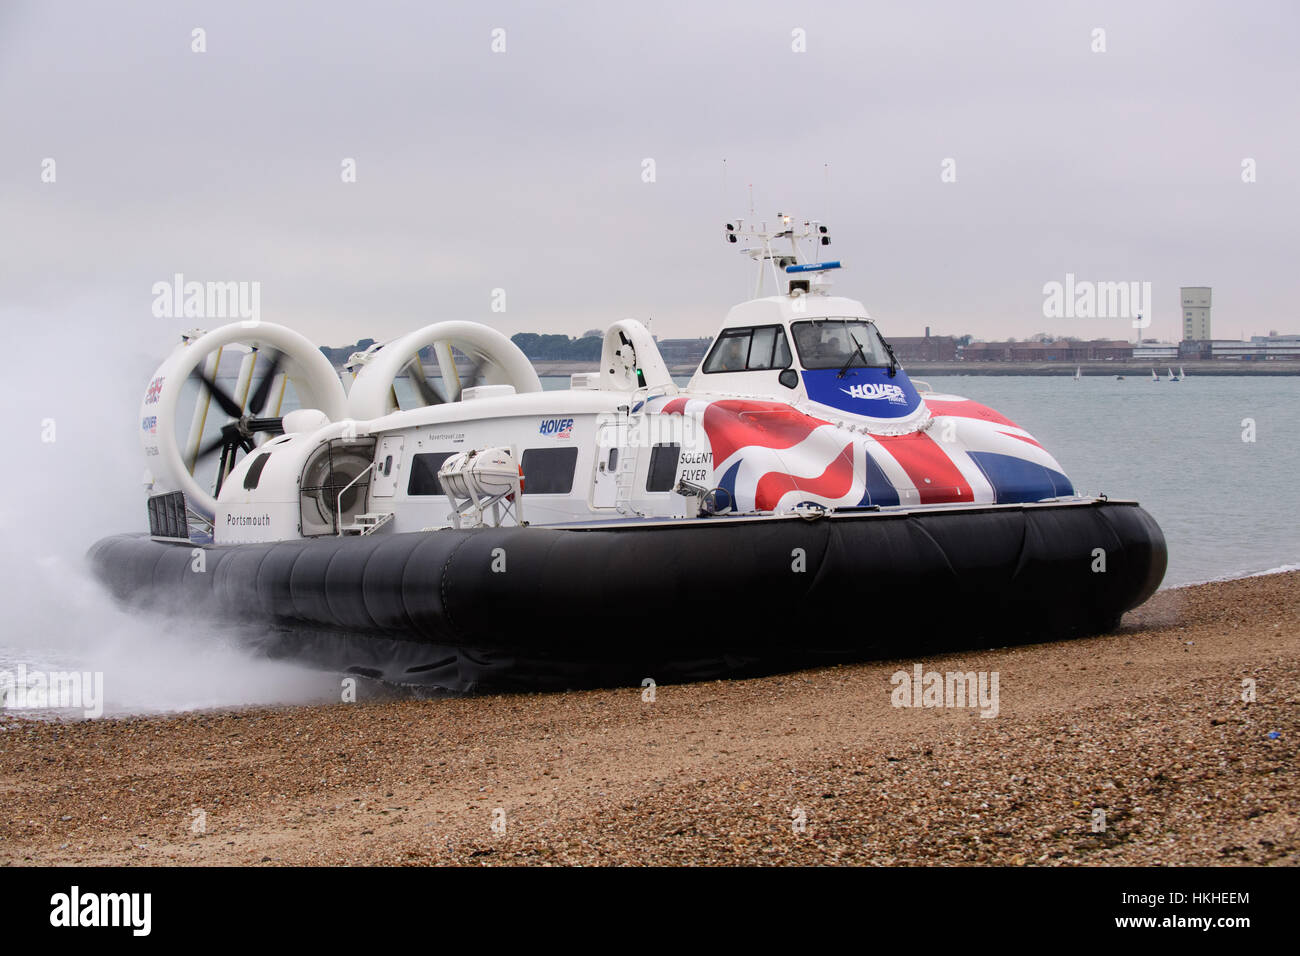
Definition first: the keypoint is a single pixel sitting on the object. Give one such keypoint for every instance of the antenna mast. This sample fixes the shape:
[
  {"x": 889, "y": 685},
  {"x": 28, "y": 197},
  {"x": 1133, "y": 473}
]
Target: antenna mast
[{"x": 759, "y": 240}]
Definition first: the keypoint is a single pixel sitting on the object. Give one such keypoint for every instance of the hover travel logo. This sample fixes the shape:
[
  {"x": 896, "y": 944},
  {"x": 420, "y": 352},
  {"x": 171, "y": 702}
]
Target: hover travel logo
[{"x": 876, "y": 391}]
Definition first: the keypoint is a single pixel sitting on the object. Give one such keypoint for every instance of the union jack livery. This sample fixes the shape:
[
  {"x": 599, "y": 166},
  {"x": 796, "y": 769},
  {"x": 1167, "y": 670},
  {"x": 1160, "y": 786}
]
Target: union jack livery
[{"x": 769, "y": 456}]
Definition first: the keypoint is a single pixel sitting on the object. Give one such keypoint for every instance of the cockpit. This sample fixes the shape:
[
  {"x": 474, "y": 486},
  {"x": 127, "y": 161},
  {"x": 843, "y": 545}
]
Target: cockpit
[
  {"x": 839, "y": 343},
  {"x": 821, "y": 343}
]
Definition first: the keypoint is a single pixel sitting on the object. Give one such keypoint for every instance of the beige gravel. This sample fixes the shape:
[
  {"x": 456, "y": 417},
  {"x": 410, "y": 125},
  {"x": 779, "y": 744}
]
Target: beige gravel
[{"x": 1147, "y": 725}]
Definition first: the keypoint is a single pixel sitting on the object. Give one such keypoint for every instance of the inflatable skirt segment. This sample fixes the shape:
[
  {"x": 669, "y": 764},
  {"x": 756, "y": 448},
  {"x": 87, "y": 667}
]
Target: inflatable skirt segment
[{"x": 500, "y": 609}]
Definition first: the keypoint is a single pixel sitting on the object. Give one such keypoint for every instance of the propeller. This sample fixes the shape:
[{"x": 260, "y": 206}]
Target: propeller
[
  {"x": 428, "y": 393},
  {"x": 237, "y": 435}
]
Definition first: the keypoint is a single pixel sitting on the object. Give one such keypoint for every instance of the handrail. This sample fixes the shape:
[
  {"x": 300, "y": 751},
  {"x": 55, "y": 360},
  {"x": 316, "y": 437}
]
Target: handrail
[{"x": 338, "y": 511}]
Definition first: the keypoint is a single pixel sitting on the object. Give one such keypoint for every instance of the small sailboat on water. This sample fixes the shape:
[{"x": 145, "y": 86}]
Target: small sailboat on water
[
  {"x": 1078, "y": 373},
  {"x": 1154, "y": 376},
  {"x": 1173, "y": 377}
]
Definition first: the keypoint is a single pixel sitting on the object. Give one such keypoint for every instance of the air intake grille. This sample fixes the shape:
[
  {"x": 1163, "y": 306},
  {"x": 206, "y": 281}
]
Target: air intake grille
[{"x": 167, "y": 516}]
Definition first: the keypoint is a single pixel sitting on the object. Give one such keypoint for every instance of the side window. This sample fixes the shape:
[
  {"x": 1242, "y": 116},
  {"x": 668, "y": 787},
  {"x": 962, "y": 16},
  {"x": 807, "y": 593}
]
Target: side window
[
  {"x": 749, "y": 350},
  {"x": 424, "y": 473},
  {"x": 663, "y": 467},
  {"x": 549, "y": 471},
  {"x": 729, "y": 352},
  {"x": 781, "y": 358},
  {"x": 760, "y": 347}
]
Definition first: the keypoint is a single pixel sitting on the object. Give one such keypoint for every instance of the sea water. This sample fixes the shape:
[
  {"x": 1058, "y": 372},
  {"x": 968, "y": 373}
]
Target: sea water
[{"x": 1214, "y": 460}]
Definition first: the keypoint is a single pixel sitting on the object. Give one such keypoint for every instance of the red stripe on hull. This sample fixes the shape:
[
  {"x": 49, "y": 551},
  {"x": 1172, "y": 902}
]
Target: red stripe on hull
[
  {"x": 936, "y": 478},
  {"x": 734, "y": 424},
  {"x": 968, "y": 409}
]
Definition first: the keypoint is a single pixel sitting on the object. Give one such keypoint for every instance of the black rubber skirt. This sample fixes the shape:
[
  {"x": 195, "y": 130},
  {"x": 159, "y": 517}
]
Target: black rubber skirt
[{"x": 545, "y": 608}]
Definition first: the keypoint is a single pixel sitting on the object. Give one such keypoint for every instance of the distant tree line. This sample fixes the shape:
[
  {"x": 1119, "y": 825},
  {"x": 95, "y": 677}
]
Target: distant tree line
[
  {"x": 559, "y": 347},
  {"x": 340, "y": 355}
]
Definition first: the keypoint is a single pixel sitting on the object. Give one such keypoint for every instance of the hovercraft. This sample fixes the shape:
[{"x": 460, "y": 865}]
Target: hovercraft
[{"x": 799, "y": 501}]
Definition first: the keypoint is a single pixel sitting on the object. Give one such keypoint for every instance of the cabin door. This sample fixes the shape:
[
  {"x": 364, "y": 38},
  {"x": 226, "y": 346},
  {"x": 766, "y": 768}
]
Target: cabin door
[
  {"x": 613, "y": 457},
  {"x": 388, "y": 471}
]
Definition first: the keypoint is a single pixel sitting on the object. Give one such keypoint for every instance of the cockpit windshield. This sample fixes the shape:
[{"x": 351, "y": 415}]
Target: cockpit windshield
[{"x": 834, "y": 343}]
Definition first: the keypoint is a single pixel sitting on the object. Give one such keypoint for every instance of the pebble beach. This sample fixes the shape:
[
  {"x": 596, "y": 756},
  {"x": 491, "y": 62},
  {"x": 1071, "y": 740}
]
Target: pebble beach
[{"x": 1170, "y": 742}]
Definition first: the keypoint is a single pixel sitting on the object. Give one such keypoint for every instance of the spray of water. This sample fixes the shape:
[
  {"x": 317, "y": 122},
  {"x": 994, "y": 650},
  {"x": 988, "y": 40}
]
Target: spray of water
[{"x": 76, "y": 477}]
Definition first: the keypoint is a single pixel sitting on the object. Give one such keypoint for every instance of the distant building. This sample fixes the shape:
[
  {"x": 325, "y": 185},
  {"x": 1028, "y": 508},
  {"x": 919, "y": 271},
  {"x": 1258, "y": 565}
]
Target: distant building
[
  {"x": 1098, "y": 350},
  {"x": 1258, "y": 349},
  {"x": 1196, "y": 313},
  {"x": 1155, "y": 352},
  {"x": 924, "y": 348}
]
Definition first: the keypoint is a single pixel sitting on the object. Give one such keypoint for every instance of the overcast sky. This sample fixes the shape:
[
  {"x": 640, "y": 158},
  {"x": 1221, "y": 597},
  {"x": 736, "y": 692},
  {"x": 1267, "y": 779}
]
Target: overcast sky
[{"x": 522, "y": 170}]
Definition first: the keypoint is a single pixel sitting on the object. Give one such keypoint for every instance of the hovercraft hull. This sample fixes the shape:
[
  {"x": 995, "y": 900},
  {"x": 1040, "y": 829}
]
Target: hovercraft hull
[{"x": 614, "y": 603}]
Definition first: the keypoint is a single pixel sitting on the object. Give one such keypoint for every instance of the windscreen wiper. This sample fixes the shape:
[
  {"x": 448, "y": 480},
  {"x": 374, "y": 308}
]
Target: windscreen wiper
[
  {"x": 849, "y": 360},
  {"x": 893, "y": 359}
]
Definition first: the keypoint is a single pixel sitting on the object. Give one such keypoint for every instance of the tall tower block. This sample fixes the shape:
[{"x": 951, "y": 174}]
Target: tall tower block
[{"x": 1196, "y": 313}]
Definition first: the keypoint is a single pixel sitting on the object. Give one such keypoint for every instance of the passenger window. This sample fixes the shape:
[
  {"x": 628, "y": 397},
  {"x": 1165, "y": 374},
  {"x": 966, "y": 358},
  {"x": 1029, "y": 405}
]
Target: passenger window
[
  {"x": 663, "y": 467},
  {"x": 424, "y": 473},
  {"x": 549, "y": 471}
]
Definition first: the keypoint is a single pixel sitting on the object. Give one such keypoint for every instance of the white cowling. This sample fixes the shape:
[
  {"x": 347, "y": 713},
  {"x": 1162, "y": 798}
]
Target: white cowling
[
  {"x": 314, "y": 380},
  {"x": 501, "y": 362},
  {"x": 629, "y": 359}
]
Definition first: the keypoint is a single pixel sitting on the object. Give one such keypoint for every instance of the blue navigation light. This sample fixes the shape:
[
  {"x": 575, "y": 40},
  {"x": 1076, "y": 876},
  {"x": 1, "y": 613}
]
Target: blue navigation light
[{"x": 813, "y": 266}]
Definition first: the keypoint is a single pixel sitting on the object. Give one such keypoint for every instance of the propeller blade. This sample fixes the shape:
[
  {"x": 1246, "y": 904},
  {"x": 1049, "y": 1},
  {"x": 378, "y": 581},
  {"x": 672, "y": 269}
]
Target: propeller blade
[
  {"x": 258, "y": 401},
  {"x": 475, "y": 374},
  {"x": 415, "y": 372},
  {"x": 217, "y": 443},
  {"x": 467, "y": 379},
  {"x": 228, "y": 404}
]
